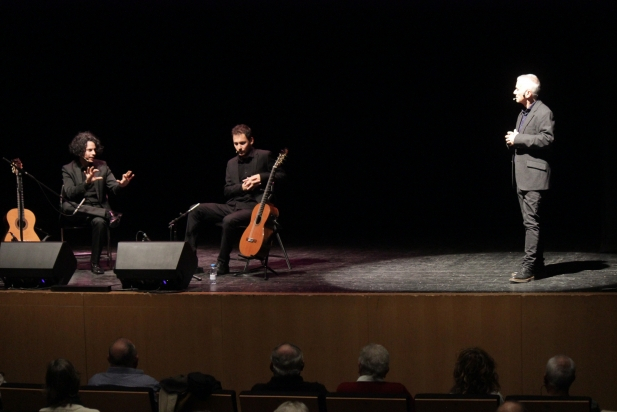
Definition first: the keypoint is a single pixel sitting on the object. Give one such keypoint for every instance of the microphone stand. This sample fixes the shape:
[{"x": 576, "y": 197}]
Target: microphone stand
[
  {"x": 173, "y": 235},
  {"x": 59, "y": 195}
]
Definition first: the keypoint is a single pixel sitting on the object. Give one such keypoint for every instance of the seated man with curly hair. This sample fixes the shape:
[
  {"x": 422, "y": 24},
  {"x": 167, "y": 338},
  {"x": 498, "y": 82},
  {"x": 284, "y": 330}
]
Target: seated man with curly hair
[{"x": 87, "y": 181}]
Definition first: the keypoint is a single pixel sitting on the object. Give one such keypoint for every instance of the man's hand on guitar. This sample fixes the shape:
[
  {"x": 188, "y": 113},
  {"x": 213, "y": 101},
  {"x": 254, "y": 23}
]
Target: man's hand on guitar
[
  {"x": 90, "y": 171},
  {"x": 251, "y": 183},
  {"x": 126, "y": 178}
]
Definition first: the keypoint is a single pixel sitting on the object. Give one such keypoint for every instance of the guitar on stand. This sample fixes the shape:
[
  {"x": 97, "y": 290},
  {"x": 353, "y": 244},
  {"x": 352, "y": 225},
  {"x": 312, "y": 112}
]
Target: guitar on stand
[
  {"x": 255, "y": 242},
  {"x": 21, "y": 220}
]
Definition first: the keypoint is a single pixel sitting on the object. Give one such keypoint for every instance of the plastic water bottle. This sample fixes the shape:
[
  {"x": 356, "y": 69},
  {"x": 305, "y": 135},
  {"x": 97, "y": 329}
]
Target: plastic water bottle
[{"x": 213, "y": 274}]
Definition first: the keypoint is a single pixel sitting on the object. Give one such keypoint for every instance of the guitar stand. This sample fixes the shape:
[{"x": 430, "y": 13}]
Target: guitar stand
[
  {"x": 264, "y": 265},
  {"x": 264, "y": 260}
]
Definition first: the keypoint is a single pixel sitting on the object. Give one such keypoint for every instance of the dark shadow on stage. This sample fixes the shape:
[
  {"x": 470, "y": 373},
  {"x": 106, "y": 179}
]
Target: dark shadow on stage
[{"x": 564, "y": 268}]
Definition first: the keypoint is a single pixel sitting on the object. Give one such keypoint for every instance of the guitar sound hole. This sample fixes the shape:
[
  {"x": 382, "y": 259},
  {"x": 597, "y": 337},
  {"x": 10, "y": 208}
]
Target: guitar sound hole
[{"x": 21, "y": 224}]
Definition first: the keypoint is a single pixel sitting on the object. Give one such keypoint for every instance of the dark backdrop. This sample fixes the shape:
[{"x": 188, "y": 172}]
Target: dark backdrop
[{"x": 394, "y": 112}]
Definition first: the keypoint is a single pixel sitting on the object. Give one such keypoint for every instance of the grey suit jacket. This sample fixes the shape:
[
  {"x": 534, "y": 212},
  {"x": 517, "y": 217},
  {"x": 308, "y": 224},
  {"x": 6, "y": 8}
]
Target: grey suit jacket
[
  {"x": 531, "y": 168},
  {"x": 74, "y": 187},
  {"x": 261, "y": 164}
]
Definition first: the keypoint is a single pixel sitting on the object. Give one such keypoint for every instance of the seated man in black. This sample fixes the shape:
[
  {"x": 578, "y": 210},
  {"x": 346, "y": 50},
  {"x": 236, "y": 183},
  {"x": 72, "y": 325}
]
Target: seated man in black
[
  {"x": 245, "y": 176},
  {"x": 86, "y": 183},
  {"x": 286, "y": 363}
]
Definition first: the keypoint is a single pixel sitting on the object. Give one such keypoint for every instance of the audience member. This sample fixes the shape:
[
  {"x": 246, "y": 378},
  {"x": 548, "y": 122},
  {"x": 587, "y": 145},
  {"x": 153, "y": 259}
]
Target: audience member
[
  {"x": 511, "y": 406},
  {"x": 373, "y": 366},
  {"x": 287, "y": 363},
  {"x": 559, "y": 376},
  {"x": 292, "y": 407},
  {"x": 61, "y": 388},
  {"x": 122, "y": 371},
  {"x": 474, "y": 374}
]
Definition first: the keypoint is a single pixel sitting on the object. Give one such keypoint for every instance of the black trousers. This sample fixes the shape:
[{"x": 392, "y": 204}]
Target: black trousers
[
  {"x": 232, "y": 218},
  {"x": 99, "y": 230},
  {"x": 531, "y": 203}
]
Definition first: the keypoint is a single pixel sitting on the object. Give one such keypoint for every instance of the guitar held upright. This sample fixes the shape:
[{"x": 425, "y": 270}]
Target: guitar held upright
[
  {"x": 20, "y": 220},
  {"x": 255, "y": 241}
]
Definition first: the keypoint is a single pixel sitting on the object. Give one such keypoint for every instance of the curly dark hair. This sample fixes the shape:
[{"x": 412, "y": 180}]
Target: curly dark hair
[
  {"x": 61, "y": 383},
  {"x": 474, "y": 373},
  {"x": 78, "y": 145}
]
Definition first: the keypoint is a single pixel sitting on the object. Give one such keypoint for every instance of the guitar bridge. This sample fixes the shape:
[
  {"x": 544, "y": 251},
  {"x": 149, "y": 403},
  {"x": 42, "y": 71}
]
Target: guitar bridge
[{"x": 250, "y": 240}]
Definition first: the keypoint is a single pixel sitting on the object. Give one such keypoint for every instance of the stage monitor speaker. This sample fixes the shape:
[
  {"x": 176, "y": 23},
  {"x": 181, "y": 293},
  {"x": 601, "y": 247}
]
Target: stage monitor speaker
[
  {"x": 36, "y": 264},
  {"x": 155, "y": 265}
]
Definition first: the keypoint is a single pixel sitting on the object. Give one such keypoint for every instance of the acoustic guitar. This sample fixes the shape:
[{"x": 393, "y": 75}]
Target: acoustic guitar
[
  {"x": 254, "y": 242},
  {"x": 20, "y": 220}
]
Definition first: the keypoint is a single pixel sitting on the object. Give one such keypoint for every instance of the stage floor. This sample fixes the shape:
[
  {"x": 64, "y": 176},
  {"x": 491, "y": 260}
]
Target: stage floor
[{"x": 349, "y": 269}]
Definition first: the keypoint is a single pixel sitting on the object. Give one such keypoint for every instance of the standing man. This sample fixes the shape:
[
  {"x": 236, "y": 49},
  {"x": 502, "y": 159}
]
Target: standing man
[
  {"x": 87, "y": 181},
  {"x": 531, "y": 140},
  {"x": 245, "y": 175}
]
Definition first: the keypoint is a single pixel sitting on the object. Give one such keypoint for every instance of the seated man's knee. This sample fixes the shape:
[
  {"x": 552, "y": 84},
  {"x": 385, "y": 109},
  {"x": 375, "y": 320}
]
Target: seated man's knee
[{"x": 99, "y": 222}]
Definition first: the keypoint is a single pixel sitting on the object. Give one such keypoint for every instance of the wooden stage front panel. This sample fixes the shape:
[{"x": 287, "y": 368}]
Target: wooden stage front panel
[{"x": 231, "y": 335}]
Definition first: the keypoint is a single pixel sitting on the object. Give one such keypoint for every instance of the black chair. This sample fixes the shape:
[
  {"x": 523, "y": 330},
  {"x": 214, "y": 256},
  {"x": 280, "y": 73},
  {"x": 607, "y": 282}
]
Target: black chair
[
  {"x": 67, "y": 225},
  {"x": 439, "y": 402},
  {"x": 118, "y": 398},
  {"x": 219, "y": 401},
  {"x": 269, "y": 401},
  {"x": 263, "y": 261},
  {"x": 361, "y": 402},
  {"x": 553, "y": 403},
  {"x": 22, "y": 397}
]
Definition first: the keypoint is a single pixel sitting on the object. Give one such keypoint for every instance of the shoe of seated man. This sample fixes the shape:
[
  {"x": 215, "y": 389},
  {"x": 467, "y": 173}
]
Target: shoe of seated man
[
  {"x": 96, "y": 269},
  {"x": 222, "y": 268}
]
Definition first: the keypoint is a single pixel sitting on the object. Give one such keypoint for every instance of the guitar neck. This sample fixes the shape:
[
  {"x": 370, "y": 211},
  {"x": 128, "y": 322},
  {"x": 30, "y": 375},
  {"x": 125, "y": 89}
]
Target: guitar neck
[
  {"x": 20, "y": 197},
  {"x": 266, "y": 192}
]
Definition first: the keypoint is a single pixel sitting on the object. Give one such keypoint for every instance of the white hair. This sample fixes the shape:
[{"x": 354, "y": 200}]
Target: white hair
[
  {"x": 560, "y": 372},
  {"x": 292, "y": 407},
  {"x": 374, "y": 360},
  {"x": 531, "y": 82}
]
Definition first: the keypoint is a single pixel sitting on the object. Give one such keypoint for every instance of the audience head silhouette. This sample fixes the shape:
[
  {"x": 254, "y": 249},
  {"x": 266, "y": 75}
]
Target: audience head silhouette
[
  {"x": 123, "y": 353},
  {"x": 292, "y": 407},
  {"x": 559, "y": 376},
  {"x": 61, "y": 383},
  {"x": 511, "y": 406},
  {"x": 474, "y": 373},
  {"x": 286, "y": 359},
  {"x": 374, "y": 361}
]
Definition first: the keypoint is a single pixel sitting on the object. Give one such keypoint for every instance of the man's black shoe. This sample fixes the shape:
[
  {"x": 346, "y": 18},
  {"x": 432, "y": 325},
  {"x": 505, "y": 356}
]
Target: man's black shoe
[
  {"x": 96, "y": 269},
  {"x": 114, "y": 219},
  {"x": 222, "y": 268},
  {"x": 524, "y": 276}
]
